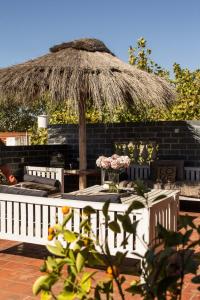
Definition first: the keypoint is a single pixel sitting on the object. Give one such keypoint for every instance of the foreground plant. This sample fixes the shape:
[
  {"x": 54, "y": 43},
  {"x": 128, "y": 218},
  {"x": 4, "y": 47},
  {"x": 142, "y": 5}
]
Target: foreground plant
[{"x": 164, "y": 265}]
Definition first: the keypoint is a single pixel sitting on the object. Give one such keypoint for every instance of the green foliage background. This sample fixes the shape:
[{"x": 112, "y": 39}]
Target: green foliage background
[{"x": 186, "y": 107}]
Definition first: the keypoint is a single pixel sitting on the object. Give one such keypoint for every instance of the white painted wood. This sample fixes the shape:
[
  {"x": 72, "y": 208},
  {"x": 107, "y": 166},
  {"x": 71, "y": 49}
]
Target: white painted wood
[
  {"x": 77, "y": 219},
  {"x": 47, "y": 211},
  {"x": 9, "y": 217},
  {"x": 45, "y": 224},
  {"x": 23, "y": 220},
  {"x": 30, "y": 220},
  {"x": 3, "y": 217},
  {"x": 38, "y": 221},
  {"x": 48, "y": 172},
  {"x": 16, "y": 218}
]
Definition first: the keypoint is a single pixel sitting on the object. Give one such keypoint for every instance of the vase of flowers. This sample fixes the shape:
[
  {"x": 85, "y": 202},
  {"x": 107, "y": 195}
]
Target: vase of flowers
[{"x": 113, "y": 165}]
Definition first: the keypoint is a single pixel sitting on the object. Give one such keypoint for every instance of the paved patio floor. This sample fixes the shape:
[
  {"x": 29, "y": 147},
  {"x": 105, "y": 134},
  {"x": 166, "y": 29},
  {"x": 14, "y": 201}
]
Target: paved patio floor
[{"x": 19, "y": 268}]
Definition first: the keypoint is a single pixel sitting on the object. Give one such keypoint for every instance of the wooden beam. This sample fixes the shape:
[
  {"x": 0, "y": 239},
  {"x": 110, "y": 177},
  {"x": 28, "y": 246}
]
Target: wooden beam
[{"x": 82, "y": 146}]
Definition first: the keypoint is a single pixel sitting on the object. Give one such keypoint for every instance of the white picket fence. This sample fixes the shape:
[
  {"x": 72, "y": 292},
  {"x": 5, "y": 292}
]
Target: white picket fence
[{"x": 27, "y": 218}]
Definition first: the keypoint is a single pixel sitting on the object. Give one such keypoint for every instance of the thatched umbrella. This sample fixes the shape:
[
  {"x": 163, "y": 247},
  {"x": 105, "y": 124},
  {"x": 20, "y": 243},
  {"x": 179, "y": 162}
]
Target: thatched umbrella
[{"x": 84, "y": 70}]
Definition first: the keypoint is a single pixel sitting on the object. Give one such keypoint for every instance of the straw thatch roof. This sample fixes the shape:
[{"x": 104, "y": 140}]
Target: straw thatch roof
[{"x": 84, "y": 69}]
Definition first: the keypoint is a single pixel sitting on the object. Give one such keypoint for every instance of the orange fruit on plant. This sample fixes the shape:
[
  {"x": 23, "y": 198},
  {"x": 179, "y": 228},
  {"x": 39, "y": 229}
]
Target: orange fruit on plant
[
  {"x": 51, "y": 230},
  {"x": 50, "y": 237},
  {"x": 112, "y": 271},
  {"x": 65, "y": 210}
]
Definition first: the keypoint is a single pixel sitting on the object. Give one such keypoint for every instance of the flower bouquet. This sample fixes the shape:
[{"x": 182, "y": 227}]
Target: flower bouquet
[{"x": 114, "y": 165}]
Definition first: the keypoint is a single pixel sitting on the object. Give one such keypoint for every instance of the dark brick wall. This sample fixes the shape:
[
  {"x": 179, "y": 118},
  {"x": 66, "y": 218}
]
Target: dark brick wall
[
  {"x": 176, "y": 139},
  {"x": 18, "y": 156}
]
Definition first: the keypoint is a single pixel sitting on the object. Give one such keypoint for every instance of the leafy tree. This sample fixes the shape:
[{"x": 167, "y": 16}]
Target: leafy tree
[
  {"x": 186, "y": 82},
  {"x": 187, "y": 85},
  {"x": 139, "y": 56}
]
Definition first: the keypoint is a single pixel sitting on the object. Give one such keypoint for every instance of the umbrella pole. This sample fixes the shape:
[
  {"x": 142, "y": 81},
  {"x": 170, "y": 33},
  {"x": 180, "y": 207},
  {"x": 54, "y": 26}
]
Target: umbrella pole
[{"x": 82, "y": 146}]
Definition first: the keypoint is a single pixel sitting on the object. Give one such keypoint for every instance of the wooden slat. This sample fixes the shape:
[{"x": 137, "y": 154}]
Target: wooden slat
[
  {"x": 38, "y": 221},
  {"x": 52, "y": 216},
  {"x": 45, "y": 221},
  {"x": 30, "y": 220},
  {"x": 9, "y": 217},
  {"x": 16, "y": 218},
  {"x": 77, "y": 220},
  {"x": 23, "y": 219}
]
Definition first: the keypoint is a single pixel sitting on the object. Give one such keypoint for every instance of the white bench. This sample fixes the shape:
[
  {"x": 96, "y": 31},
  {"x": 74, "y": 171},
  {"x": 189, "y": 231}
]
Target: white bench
[{"x": 48, "y": 172}]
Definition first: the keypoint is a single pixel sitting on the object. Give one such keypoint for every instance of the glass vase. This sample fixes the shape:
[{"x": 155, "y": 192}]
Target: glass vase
[{"x": 113, "y": 181}]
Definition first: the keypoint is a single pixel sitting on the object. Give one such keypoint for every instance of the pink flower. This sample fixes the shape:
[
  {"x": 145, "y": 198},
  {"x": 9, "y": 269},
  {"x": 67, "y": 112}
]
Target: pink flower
[
  {"x": 114, "y": 162},
  {"x": 99, "y": 160},
  {"x": 106, "y": 163},
  {"x": 115, "y": 156}
]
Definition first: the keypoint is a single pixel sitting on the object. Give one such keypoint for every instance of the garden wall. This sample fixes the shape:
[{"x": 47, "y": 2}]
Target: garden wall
[
  {"x": 176, "y": 139},
  {"x": 18, "y": 156}
]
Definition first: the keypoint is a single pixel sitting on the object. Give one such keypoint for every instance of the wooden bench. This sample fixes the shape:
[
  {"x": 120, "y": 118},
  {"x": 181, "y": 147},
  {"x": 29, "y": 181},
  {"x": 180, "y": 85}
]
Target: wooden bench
[{"x": 48, "y": 172}]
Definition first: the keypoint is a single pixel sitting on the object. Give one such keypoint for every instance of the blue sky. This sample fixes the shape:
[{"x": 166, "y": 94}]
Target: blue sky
[{"x": 29, "y": 27}]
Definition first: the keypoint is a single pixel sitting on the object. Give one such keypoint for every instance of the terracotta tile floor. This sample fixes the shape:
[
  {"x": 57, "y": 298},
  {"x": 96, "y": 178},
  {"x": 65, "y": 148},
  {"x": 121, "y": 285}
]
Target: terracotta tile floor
[{"x": 19, "y": 268}]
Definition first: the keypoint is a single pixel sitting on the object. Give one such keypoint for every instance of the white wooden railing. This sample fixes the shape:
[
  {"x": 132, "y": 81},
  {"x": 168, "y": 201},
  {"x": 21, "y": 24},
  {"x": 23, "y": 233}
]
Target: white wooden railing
[{"x": 27, "y": 218}]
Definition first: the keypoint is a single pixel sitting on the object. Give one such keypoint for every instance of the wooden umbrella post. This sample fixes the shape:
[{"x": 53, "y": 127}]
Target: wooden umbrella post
[{"x": 82, "y": 146}]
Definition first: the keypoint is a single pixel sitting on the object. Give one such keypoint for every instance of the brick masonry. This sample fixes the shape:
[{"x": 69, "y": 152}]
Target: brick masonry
[
  {"x": 176, "y": 139},
  {"x": 18, "y": 156}
]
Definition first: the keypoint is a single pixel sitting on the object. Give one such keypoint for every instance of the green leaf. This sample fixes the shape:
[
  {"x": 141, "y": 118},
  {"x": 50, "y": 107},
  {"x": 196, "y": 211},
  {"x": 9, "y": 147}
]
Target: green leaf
[
  {"x": 87, "y": 275},
  {"x": 69, "y": 236},
  {"x": 186, "y": 221},
  {"x": 45, "y": 295},
  {"x": 119, "y": 258},
  {"x": 58, "y": 227},
  {"x": 196, "y": 279},
  {"x": 80, "y": 261},
  {"x": 44, "y": 283},
  {"x": 59, "y": 245},
  {"x": 105, "y": 208},
  {"x": 66, "y": 295},
  {"x": 55, "y": 251},
  {"x": 83, "y": 223},
  {"x": 165, "y": 284},
  {"x": 66, "y": 219},
  {"x": 135, "y": 289},
  {"x": 95, "y": 259},
  {"x": 39, "y": 283},
  {"x": 50, "y": 264},
  {"x": 86, "y": 281},
  {"x": 135, "y": 205},
  {"x": 88, "y": 210},
  {"x": 187, "y": 235},
  {"x": 159, "y": 197},
  {"x": 114, "y": 226}
]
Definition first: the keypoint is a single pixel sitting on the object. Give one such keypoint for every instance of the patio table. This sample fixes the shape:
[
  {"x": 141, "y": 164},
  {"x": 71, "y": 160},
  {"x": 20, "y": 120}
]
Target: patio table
[{"x": 127, "y": 197}]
